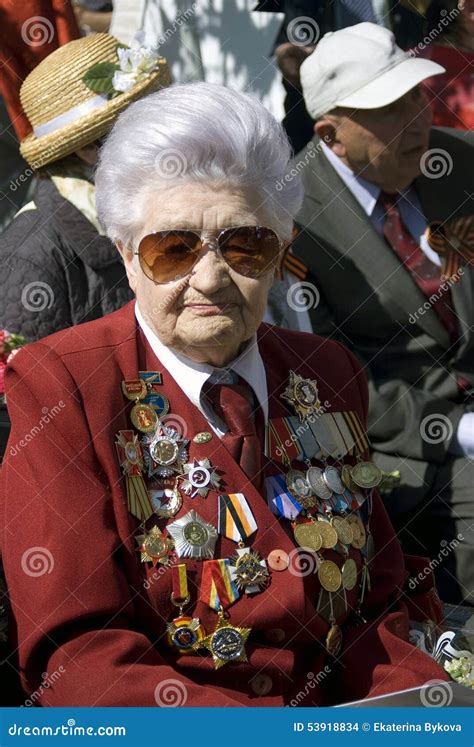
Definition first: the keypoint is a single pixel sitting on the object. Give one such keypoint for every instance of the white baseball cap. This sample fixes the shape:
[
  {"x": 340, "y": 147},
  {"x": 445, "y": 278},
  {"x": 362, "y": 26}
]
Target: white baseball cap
[{"x": 360, "y": 67}]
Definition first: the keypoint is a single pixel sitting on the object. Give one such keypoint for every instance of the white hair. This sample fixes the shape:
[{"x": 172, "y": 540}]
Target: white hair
[{"x": 197, "y": 132}]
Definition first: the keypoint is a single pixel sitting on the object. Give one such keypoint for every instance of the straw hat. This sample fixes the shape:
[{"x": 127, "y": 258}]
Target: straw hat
[{"x": 64, "y": 112}]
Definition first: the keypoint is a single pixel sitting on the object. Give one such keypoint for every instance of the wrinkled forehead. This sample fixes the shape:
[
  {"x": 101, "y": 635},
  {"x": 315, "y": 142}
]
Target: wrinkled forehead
[{"x": 201, "y": 207}]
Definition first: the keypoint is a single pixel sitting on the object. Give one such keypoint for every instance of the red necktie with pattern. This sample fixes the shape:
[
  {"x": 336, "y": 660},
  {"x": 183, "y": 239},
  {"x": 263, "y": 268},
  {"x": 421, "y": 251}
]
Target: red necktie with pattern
[
  {"x": 234, "y": 404},
  {"x": 425, "y": 273}
]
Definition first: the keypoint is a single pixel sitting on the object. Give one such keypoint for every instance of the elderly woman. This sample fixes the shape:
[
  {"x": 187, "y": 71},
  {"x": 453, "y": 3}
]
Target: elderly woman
[{"x": 191, "y": 515}]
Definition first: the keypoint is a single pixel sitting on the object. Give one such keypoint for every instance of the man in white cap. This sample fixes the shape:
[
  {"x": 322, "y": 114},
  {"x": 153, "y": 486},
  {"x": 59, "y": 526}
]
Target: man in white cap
[{"x": 386, "y": 233}]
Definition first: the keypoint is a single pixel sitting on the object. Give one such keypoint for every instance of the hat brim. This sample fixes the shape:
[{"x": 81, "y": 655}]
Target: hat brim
[
  {"x": 39, "y": 151},
  {"x": 392, "y": 84}
]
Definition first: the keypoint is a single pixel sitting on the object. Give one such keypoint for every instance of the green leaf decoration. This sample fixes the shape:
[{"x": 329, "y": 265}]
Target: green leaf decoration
[{"x": 99, "y": 77}]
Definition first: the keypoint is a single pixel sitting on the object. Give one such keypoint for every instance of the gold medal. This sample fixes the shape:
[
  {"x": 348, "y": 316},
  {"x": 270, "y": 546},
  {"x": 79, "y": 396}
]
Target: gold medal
[
  {"x": 202, "y": 438},
  {"x": 165, "y": 451},
  {"x": 226, "y": 643},
  {"x": 134, "y": 389},
  {"x": 143, "y": 417},
  {"x": 166, "y": 503},
  {"x": 329, "y": 576},
  {"x": 185, "y": 633},
  {"x": 366, "y": 475},
  {"x": 249, "y": 571},
  {"x": 343, "y": 529},
  {"x": 155, "y": 547},
  {"x": 349, "y": 574},
  {"x": 328, "y": 534},
  {"x": 308, "y": 535},
  {"x": 346, "y": 478},
  {"x": 334, "y": 640},
  {"x": 358, "y": 531},
  {"x": 298, "y": 486},
  {"x": 303, "y": 396}
]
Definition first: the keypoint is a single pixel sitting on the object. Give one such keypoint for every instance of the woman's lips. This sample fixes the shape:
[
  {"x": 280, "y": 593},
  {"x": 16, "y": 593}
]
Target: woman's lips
[{"x": 207, "y": 309}]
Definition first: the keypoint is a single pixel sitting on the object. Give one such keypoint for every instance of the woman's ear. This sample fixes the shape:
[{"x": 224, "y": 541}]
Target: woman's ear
[{"x": 128, "y": 256}]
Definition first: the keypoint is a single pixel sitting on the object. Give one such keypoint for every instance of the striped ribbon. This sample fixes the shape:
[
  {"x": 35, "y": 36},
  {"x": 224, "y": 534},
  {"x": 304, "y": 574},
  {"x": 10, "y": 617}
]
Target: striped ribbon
[
  {"x": 280, "y": 501},
  {"x": 179, "y": 582},
  {"x": 235, "y": 518},
  {"x": 217, "y": 588}
]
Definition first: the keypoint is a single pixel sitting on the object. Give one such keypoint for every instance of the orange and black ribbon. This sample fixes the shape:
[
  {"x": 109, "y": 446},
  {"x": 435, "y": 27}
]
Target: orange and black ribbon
[{"x": 454, "y": 242}]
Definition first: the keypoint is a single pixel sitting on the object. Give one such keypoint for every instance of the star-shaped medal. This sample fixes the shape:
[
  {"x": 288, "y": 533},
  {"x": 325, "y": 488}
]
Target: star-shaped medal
[
  {"x": 226, "y": 643},
  {"x": 194, "y": 537},
  {"x": 165, "y": 451},
  {"x": 249, "y": 570},
  {"x": 303, "y": 395},
  {"x": 200, "y": 477},
  {"x": 155, "y": 547}
]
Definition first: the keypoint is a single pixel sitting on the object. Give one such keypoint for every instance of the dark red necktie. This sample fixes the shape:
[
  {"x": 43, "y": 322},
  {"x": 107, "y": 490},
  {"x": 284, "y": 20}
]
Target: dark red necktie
[
  {"x": 426, "y": 275},
  {"x": 234, "y": 404}
]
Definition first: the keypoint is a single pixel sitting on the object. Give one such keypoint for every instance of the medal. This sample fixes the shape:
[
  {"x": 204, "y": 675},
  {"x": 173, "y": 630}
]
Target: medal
[
  {"x": 143, "y": 416},
  {"x": 307, "y": 535},
  {"x": 346, "y": 478},
  {"x": 235, "y": 518},
  {"x": 328, "y": 534},
  {"x": 193, "y": 537},
  {"x": 153, "y": 397},
  {"x": 314, "y": 476},
  {"x": 334, "y": 640},
  {"x": 130, "y": 457},
  {"x": 183, "y": 633},
  {"x": 366, "y": 475},
  {"x": 332, "y": 480},
  {"x": 155, "y": 547},
  {"x": 281, "y": 502},
  {"x": 343, "y": 529},
  {"x": 165, "y": 451},
  {"x": 226, "y": 643},
  {"x": 166, "y": 503},
  {"x": 302, "y": 394},
  {"x": 349, "y": 574},
  {"x": 329, "y": 576},
  {"x": 249, "y": 571},
  {"x": 200, "y": 477},
  {"x": 298, "y": 485},
  {"x": 358, "y": 532},
  {"x": 202, "y": 438}
]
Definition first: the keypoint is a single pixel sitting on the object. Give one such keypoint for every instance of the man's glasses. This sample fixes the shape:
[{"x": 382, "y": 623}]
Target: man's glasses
[{"x": 167, "y": 256}]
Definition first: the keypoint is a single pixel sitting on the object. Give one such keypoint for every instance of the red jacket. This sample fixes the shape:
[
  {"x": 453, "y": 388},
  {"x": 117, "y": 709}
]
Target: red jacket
[{"x": 90, "y": 615}]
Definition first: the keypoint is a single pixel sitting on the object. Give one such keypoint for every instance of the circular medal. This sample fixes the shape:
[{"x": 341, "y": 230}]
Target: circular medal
[
  {"x": 314, "y": 477},
  {"x": 329, "y": 576},
  {"x": 306, "y": 393},
  {"x": 199, "y": 477},
  {"x": 308, "y": 535},
  {"x": 155, "y": 547},
  {"x": 166, "y": 503},
  {"x": 184, "y": 633},
  {"x": 332, "y": 480},
  {"x": 334, "y": 640},
  {"x": 143, "y": 417},
  {"x": 346, "y": 478},
  {"x": 366, "y": 475},
  {"x": 328, "y": 534},
  {"x": 297, "y": 484},
  {"x": 358, "y": 532},
  {"x": 196, "y": 534},
  {"x": 343, "y": 529},
  {"x": 194, "y": 537},
  {"x": 160, "y": 404},
  {"x": 349, "y": 574},
  {"x": 164, "y": 451}
]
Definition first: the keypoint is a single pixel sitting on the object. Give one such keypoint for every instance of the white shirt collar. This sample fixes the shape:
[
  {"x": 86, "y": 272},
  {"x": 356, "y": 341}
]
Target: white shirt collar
[
  {"x": 365, "y": 192},
  {"x": 191, "y": 376}
]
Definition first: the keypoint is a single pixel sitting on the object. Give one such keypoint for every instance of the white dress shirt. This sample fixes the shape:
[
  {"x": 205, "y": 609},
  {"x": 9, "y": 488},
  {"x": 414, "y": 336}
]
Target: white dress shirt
[{"x": 191, "y": 376}]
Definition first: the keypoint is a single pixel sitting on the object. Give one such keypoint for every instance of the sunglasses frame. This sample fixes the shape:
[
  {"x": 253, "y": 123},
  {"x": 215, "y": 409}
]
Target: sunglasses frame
[{"x": 213, "y": 239}]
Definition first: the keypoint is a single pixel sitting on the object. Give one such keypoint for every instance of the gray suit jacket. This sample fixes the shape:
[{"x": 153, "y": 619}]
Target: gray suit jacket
[{"x": 369, "y": 301}]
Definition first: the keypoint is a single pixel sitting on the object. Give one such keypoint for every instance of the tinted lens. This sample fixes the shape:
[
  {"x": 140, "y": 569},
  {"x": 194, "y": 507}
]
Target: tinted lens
[
  {"x": 250, "y": 250},
  {"x": 168, "y": 255}
]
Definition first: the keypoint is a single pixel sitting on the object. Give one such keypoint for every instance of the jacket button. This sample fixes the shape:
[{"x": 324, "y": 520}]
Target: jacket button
[
  {"x": 275, "y": 635},
  {"x": 262, "y": 684},
  {"x": 278, "y": 560}
]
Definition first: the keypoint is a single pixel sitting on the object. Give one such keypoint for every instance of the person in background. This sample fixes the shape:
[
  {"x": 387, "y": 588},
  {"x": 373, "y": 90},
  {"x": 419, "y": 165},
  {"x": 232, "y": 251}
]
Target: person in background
[
  {"x": 93, "y": 16},
  {"x": 387, "y": 202},
  {"x": 304, "y": 23},
  {"x": 450, "y": 36},
  {"x": 58, "y": 267}
]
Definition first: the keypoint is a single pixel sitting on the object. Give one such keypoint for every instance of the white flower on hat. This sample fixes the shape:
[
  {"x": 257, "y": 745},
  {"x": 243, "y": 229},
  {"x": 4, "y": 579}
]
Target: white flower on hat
[{"x": 135, "y": 63}]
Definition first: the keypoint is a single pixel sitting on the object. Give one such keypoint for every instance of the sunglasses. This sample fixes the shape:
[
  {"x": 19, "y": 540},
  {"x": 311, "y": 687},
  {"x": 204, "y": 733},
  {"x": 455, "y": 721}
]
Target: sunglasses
[{"x": 167, "y": 256}]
